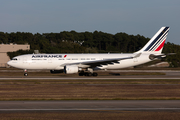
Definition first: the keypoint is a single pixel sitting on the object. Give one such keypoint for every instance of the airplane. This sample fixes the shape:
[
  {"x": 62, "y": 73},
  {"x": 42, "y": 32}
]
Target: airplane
[{"x": 86, "y": 64}]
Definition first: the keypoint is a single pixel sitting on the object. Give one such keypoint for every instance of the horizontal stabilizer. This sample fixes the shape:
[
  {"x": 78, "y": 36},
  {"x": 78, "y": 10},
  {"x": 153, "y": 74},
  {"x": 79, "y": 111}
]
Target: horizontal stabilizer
[{"x": 152, "y": 56}]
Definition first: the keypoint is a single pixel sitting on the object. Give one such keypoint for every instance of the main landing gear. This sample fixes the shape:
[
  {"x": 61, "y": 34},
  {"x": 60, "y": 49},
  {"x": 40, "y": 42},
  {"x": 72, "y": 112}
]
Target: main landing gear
[
  {"x": 25, "y": 72},
  {"x": 82, "y": 73}
]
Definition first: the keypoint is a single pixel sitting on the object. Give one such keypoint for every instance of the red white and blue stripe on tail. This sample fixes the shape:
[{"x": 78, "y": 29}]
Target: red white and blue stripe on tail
[{"x": 157, "y": 41}]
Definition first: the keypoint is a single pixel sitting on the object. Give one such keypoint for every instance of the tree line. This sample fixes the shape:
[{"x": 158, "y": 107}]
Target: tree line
[{"x": 84, "y": 42}]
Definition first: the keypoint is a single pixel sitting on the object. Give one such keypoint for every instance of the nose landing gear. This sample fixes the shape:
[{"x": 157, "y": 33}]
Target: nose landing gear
[{"x": 25, "y": 72}]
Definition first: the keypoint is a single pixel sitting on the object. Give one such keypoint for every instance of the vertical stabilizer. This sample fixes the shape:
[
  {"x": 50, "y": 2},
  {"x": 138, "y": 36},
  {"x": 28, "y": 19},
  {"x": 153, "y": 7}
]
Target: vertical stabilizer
[{"x": 156, "y": 43}]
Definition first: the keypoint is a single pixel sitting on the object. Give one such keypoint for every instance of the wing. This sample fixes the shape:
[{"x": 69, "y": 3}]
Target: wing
[
  {"x": 103, "y": 62},
  {"x": 95, "y": 63}
]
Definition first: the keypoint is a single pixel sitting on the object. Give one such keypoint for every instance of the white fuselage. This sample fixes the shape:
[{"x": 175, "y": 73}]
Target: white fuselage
[{"x": 58, "y": 61}]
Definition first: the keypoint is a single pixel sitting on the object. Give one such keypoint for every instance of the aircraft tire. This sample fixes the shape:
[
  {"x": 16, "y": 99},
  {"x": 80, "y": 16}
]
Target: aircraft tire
[
  {"x": 90, "y": 74},
  {"x": 81, "y": 74},
  {"x": 25, "y": 74},
  {"x": 86, "y": 74},
  {"x": 95, "y": 74}
]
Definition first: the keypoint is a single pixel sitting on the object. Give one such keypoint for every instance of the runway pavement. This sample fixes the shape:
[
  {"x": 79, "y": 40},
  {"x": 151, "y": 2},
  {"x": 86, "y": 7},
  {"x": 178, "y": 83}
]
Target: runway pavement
[
  {"x": 127, "y": 105},
  {"x": 169, "y": 74},
  {"x": 95, "y": 78}
]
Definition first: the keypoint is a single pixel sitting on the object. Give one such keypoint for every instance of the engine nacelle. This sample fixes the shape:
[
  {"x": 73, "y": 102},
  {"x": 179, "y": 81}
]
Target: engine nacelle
[{"x": 70, "y": 69}]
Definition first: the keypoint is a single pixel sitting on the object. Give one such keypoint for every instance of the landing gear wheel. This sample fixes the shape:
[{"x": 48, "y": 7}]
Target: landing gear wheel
[
  {"x": 81, "y": 74},
  {"x": 86, "y": 74},
  {"x": 95, "y": 74},
  {"x": 25, "y": 74},
  {"x": 90, "y": 74}
]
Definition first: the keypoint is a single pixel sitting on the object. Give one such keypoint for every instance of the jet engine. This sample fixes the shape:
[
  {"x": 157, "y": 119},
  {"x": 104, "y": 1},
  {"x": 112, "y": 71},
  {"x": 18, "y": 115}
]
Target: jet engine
[{"x": 70, "y": 69}]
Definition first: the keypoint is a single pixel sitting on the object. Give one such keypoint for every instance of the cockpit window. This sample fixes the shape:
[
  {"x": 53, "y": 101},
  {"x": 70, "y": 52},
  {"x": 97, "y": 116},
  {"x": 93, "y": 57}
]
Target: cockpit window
[{"x": 14, "y": 59}]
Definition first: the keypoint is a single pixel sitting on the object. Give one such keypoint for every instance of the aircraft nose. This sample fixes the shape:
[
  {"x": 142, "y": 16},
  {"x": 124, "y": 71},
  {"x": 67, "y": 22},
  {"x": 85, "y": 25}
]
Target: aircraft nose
[{"x": 9, "y": 63}]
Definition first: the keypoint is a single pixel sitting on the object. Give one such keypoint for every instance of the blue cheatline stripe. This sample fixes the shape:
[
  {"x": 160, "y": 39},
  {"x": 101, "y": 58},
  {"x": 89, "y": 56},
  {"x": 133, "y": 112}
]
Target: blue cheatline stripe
[
  {"x": 156, "y": 39},
  {"x": 159, "y": 41}
]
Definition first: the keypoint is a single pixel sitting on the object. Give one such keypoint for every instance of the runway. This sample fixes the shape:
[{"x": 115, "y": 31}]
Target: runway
[
  {"x": 124, "y": 105},
  {"x": 95, "y": 78},
  {"x": 169, "y": 74}
]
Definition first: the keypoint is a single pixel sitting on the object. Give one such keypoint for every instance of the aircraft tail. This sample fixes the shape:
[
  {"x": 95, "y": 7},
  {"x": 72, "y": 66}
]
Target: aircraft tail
[{"x": 156, "y": 43}]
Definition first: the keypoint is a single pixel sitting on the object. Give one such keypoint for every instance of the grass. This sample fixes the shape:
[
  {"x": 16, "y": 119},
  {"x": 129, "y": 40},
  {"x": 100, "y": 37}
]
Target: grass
[
  {"x": 90, "y": 90},
  {"x": 93, "y": 82},
  {"x": 91, "y": 115}
]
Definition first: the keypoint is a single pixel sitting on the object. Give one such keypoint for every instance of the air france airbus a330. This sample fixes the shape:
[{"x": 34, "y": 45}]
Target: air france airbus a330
[{"x": 86, "y": 64}]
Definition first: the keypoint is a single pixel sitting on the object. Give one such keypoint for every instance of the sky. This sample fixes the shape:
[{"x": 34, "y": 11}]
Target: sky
[{"x": 144, "y": 17}]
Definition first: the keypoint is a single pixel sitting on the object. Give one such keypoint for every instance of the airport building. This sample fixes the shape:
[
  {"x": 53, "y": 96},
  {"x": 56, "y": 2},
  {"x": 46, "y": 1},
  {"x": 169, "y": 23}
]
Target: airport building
[{"x": 4, "y": 48}]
